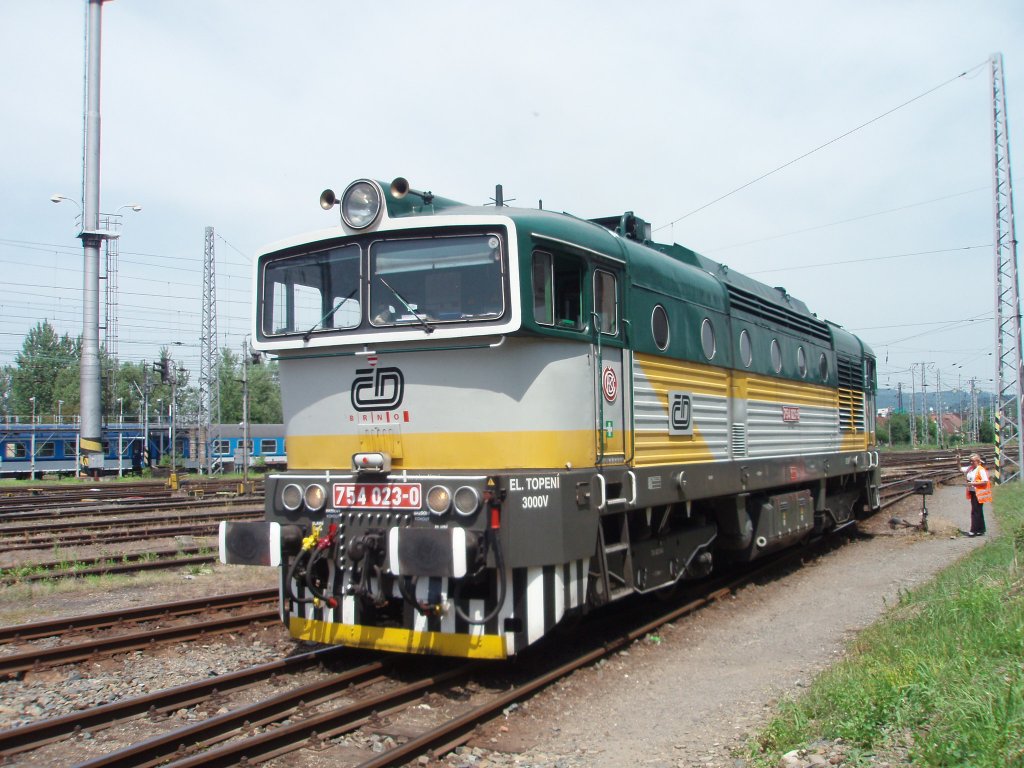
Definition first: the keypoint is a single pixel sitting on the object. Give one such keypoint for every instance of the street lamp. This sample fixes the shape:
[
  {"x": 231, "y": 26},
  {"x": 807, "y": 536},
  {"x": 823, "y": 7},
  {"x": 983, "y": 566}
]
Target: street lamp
[
  {"x": 32, "y": 463},
  {"x": 120, "y": 437}
]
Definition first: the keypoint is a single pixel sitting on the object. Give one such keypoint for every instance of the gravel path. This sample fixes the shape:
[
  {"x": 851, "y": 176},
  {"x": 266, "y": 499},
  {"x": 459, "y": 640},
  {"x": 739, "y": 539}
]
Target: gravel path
[{"x": 701, "y": 689}]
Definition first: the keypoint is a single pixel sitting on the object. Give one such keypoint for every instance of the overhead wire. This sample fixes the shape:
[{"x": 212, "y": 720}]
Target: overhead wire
[{"x": 822, "y": 146}]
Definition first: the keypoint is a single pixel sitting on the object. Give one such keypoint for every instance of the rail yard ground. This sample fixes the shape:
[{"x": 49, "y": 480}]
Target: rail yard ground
[{"x": 709, "y": 690}]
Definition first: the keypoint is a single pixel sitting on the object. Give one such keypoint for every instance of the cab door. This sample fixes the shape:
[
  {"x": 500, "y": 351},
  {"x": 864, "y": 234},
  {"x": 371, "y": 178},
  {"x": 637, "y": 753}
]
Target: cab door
[{"x": 611, "y": 368}]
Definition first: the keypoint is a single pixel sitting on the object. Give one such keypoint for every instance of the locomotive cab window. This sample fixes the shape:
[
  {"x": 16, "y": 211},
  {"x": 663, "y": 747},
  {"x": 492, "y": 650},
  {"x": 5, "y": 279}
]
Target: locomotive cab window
[
  {"x": 313, "y": 292},
  {"x": 422, "y": 281},
  {"x": 557, "y": 291},
  {"x": 606, "y": 302}
]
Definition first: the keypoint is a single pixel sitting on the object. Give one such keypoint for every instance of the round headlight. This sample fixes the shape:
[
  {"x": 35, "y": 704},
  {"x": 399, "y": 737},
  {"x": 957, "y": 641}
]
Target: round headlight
[
  {"x": 439, "y": 499},
  {"x": 467, "y": 501},
  {"x": 360, "y": 204},
  {"x": 315, "y": 497},
  {"x": 291, "y": 497}
]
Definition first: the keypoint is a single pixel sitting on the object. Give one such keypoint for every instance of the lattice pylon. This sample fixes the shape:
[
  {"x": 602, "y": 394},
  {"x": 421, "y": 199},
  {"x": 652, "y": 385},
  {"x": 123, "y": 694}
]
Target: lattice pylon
[{"x": 1009, "y": 451}]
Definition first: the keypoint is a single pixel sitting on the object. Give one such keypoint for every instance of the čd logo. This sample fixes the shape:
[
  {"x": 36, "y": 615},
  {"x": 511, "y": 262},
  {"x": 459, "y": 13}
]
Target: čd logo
[{"x": 377, "y": 389}]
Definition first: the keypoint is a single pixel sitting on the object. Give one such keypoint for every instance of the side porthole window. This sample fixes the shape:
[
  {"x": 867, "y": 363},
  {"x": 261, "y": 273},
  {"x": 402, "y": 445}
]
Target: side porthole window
[
  {"x": 776, "y": 356},
  {"x": 823, "y": 367},
  {"x": 707, "y": 339},
  {"x": 801, "y": 362},
  {"x": 746, "y": 349},
  {"x": 659, "y": 327}
]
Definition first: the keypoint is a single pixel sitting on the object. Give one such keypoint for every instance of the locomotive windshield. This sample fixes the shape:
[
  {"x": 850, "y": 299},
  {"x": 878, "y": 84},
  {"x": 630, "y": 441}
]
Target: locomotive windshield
[
  {"x": 419, "y": 281},
  {"x": 430, "y": 280}
]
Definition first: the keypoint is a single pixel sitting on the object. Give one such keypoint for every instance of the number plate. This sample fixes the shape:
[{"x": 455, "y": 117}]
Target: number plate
[{"x": 377, "y": 495}]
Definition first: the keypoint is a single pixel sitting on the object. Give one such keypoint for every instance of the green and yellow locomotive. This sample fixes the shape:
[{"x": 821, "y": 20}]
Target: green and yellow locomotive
[{"x": 497, "y": 417}]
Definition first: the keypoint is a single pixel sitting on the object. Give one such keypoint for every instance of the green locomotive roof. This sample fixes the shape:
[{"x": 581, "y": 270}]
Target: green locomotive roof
[{"x": 668, "y": 269}]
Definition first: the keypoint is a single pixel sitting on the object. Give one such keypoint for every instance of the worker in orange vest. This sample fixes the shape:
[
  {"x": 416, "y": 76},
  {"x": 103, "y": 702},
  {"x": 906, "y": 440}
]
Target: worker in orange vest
[{"x": 979, "y": 491}]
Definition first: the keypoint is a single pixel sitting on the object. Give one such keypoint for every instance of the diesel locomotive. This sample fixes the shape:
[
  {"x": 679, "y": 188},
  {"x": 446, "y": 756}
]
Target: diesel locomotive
[{"x": 500, "y": 417}]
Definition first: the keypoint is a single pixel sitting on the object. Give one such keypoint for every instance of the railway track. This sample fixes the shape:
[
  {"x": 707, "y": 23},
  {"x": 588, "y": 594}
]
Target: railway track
[
  {"x": 444, "y": 699},
  {"x": 78, "y": 567},
  {"x": 90, "y": 532},
  {"x": 121, "y": 617},
  {"x": 121, "y": 506}
]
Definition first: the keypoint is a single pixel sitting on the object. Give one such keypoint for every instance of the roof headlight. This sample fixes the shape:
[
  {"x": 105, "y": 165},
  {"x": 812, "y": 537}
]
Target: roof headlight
[
  {"x": 315, "y": 496},
  {"x": 360, "y": 204}
]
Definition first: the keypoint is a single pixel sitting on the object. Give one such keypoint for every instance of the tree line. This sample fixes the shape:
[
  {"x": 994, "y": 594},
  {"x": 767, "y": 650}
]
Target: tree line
[{"x": 47, "y": 369}]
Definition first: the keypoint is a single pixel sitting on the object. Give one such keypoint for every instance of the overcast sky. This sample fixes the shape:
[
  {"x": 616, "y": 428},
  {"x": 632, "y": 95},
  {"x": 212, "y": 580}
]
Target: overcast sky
[{"x": 236, "y": 115}]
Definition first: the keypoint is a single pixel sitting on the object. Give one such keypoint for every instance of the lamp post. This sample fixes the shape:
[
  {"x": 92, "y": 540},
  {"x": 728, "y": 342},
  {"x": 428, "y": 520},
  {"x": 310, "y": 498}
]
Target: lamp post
[
  {"x": 32, "y": 463},
  {"x": 59, "y": 404},
  {"x": 120, "y": 437}
]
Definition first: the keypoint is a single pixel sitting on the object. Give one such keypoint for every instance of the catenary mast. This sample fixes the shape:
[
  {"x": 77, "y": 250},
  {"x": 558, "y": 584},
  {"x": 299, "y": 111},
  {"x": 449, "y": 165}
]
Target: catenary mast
[
  {"x": 1009, "y": 457},
  {"x": 91, "y": 441},
  {"x": 209, "y": 383}
]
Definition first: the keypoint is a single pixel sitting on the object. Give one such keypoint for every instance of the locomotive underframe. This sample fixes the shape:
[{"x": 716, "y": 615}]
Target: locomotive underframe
[{"x": 604, "y": 535}]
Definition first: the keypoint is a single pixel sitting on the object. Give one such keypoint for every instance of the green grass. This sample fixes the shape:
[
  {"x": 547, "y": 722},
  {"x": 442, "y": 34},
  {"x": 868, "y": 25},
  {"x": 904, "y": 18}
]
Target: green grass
[{"x": 940, "y": 678}]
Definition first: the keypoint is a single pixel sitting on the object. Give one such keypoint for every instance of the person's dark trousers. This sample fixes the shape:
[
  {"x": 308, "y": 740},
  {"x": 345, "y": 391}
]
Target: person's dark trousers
[{"x": 977, "y": 516}]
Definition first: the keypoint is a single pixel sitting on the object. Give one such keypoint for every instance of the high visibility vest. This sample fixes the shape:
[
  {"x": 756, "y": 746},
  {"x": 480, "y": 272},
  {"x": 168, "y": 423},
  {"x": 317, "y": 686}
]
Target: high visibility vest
[{"x": 982, "y": 487}]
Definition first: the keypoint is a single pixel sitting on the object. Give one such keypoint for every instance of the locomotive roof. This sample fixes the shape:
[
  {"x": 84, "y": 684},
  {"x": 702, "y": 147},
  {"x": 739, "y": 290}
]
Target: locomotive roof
[
  {"x": 700, "y": 279},
  {"x": 668, "y": 268}
]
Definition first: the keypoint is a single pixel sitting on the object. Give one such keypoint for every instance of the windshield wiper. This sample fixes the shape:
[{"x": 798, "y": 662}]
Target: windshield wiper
[
  {"x": 322, "y": 320},
  {"x": 423, "y": 321}
]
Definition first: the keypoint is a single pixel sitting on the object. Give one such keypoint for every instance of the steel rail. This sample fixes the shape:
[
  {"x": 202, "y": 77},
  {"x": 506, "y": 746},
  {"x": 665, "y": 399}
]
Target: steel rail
[
  {"x": 289, "y": 736},
  {"x": 166, "y": 558},
  {"x": 128, "y": 506},
  {"x": 35, "y": 658},
  {"x": 50, "y": 628},
  {"x": 216, "y": 729},
  {"x": 139, "y": 532},
  {"x": 25, "y": 737}
]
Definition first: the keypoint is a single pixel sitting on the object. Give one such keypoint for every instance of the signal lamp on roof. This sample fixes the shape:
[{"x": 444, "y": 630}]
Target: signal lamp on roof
[{"x": 360, "y": 204}]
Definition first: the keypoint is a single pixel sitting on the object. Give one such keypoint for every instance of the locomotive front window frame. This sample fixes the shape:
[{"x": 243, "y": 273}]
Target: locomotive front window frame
[
  {"x": 313, "y": 292},
  {"x": 435, "y": 279}
]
